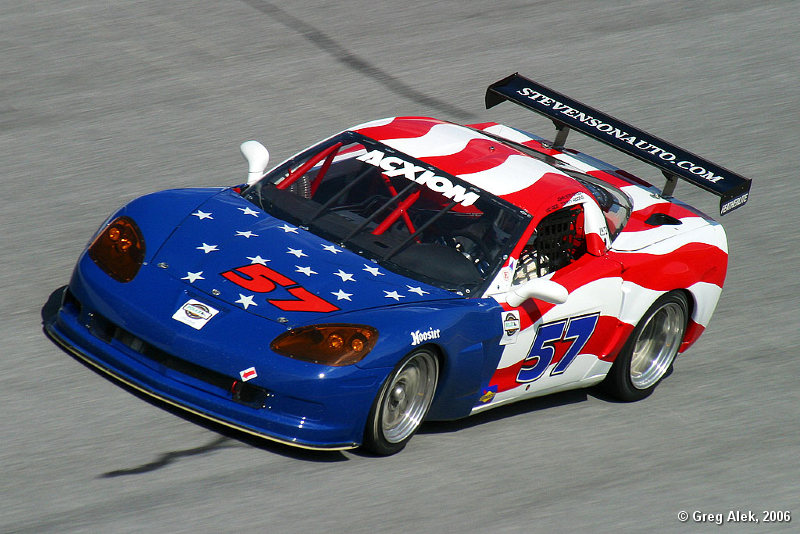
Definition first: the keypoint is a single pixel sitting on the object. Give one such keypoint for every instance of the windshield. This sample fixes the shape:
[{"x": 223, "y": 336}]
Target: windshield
[{"x": 404, "y": 214}]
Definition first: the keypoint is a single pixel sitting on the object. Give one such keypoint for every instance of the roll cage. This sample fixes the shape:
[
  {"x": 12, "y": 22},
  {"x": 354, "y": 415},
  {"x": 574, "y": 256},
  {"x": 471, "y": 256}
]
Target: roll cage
[{"x": 395, "y": 210}]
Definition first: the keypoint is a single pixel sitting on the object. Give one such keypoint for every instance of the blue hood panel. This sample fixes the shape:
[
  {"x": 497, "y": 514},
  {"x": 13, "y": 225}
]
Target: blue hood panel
[{"x": 233, "y": 250}]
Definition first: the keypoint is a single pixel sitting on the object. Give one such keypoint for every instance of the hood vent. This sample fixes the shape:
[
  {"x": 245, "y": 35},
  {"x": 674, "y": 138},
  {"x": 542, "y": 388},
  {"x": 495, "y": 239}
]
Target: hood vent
[{"x": 662, "y": 219}]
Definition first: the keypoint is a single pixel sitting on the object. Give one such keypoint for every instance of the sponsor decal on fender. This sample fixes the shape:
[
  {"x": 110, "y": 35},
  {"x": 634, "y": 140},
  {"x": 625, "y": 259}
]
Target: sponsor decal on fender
[
  {"x": 510, "y": 326},
  {"x": 488, "y": 395},
  {"x": 394, "y": 166},
  {"x": 421, "y": 336}
]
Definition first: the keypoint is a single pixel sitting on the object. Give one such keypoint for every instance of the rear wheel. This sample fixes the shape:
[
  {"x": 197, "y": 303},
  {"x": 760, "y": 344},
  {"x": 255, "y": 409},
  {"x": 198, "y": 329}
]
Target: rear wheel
[
  {"x": 403, "y": 402},
  {"x": 650, "y": 350}
]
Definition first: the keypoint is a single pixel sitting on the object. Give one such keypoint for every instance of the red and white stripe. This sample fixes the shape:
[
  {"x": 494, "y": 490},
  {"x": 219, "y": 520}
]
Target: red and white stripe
[{"x": 692, "y": 255}]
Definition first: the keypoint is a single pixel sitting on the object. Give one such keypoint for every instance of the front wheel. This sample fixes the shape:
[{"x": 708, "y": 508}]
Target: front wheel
[
  {"x": 650, "y": 350},
  {"x": 403, "y": 402}
]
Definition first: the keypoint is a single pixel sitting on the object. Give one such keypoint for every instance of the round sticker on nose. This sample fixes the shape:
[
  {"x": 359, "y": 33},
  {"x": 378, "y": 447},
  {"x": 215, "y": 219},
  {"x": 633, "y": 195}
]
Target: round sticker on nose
[{"x": 195, "y": 314}]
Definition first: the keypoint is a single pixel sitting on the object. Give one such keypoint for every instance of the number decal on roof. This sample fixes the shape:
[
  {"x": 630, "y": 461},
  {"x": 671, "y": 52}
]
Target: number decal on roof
[
  {"x": 557, "y": 343},
  {"x": 261, "y": 279}
]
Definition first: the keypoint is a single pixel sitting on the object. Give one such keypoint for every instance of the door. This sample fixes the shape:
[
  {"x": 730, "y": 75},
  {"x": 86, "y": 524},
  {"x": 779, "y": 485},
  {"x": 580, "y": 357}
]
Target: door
[{"x": 552, "y": 347}]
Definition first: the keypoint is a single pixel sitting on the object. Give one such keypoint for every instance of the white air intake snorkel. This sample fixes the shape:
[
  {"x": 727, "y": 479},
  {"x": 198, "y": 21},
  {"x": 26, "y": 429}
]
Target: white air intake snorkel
[{"x": 257, "y": 157}]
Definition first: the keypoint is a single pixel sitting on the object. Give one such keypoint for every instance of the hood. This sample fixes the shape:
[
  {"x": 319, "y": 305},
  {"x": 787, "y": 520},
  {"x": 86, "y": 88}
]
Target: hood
[{"x": 234, "y": 251}]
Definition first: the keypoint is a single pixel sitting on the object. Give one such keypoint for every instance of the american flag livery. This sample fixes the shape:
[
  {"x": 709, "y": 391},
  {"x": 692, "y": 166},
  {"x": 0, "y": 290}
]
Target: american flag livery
[
  {"x": 221, "y": 247},
  {"x": 406, "y": 269},
  {"x": 696, "y": 247}
]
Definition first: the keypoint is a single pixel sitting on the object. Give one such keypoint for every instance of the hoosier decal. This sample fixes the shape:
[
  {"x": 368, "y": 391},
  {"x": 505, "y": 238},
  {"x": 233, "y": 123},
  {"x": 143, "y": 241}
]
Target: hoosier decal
[{"x": 421, "y": 336}]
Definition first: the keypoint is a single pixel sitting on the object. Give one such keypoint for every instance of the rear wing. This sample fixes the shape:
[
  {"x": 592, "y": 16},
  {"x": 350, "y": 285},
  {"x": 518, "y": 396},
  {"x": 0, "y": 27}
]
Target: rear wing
[{"x": 673, "y": 161}]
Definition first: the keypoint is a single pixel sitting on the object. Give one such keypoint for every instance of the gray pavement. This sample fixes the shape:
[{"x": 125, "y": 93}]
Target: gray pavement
[{"x": 101, "y": 102}]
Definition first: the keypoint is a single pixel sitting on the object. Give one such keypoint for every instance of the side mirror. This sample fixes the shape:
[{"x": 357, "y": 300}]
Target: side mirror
[
  {"x": 538, "y": 288},
  {"x": 257, "y": 157}
]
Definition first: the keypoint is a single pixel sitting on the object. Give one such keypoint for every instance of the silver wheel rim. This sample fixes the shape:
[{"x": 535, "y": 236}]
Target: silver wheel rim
[
  {"x": 408, "y": 397},
  {"x": 657, "y": 344}
]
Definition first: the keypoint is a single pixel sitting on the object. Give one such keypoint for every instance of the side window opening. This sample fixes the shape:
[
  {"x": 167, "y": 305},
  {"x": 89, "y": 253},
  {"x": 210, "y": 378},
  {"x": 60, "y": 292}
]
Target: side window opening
[{"x": 557, "y": 241}]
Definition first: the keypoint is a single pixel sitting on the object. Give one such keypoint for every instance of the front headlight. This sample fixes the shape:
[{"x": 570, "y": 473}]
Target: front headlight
[
  {"x": 119, "y": 249},
  {"x": 328, "y": 344}
]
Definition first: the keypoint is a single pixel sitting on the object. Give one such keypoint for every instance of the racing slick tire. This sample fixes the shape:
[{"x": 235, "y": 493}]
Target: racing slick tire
[
  {"x": 647, "y": 356},
  {"x": 402, "y": 403}
]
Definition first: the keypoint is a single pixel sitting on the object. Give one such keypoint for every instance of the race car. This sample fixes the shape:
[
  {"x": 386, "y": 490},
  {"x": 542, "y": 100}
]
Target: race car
[{"x": 406, "y": 269}]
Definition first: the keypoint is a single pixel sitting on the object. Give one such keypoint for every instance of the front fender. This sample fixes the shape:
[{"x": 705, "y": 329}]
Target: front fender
[{"x": 465, "y": 332}]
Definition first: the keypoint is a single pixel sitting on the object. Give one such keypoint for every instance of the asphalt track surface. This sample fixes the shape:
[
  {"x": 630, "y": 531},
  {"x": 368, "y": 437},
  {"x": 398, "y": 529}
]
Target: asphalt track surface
[{"x": 101, "y": 102}]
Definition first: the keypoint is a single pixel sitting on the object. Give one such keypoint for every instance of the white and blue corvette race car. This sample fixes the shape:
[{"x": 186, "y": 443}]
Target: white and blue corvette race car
[{"x": 405, "y": 269}]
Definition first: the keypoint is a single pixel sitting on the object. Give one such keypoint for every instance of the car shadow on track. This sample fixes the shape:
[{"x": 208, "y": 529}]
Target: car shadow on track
[
  {"x": 229, "y": 437},
  {"x": 524, "y": 407},
  {"x": 509, "y": 410}
]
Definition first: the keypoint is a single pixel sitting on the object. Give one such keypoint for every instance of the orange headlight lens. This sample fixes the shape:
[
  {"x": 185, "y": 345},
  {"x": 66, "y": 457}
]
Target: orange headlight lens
[
  {"x": 328, "y": 344},
  {"x": 119, "y": 249}
]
